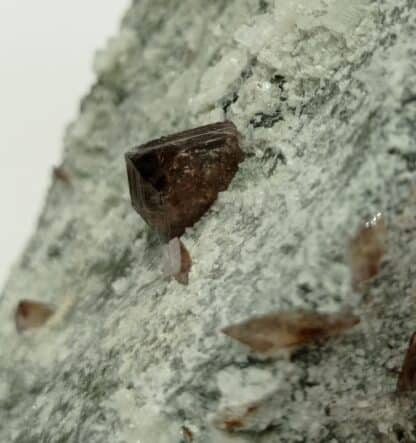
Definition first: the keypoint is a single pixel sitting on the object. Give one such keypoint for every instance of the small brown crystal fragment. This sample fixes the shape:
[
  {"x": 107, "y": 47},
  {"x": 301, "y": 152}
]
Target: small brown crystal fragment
[
  {"x": 31, "y": 314},
  {"x": 243, "y": 416},
  {"x": 233, "y": 424},
  {"x": 61, "y": 174},
  {"x": 239, "y": 422},
  {"x": 186, "y": 263},
  {"x": 269, "y": 333},
  {"x": 366, "y": 250},
  {"x": 407, "y": 377},
  {"x": 175, "y": 179},
  {"x": 177, "y": 261},
  {"x": 187, "y": 434}
]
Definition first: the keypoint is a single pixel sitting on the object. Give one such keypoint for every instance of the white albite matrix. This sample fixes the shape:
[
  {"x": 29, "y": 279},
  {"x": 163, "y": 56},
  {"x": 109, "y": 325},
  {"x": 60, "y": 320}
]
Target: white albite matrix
[{"x": 323, "y": 94}]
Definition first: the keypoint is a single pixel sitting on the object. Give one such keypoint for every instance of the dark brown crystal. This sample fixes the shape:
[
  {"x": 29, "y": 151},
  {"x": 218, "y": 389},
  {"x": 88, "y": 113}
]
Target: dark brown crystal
[{"x": 175, "y": 179}]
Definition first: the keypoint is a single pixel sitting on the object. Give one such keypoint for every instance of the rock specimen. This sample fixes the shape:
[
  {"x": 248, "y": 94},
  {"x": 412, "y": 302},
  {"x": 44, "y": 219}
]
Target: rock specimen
[
  {"x": 321, "y": 92},
  {"x": 175, "y": 179}
]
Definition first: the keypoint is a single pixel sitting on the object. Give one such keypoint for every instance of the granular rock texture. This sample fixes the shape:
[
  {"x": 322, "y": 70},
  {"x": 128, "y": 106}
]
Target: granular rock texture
[{"x": 324, "y": 95}]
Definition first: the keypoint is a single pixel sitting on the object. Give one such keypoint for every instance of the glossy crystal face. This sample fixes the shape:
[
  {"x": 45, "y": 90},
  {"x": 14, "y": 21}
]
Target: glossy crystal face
[{"x": 174, "y": 180}]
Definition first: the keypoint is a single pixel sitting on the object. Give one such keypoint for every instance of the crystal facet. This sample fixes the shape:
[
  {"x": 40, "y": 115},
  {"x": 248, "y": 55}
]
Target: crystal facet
[{"x": 175, "y": 179}]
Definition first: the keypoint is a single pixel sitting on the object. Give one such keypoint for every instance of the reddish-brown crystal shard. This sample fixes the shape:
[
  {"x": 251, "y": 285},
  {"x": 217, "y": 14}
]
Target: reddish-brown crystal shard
[
  {"x": 177, "y": 261},
  {"x": 366, "y": 250},
  {"x": 31, "y": 314},
  {"x": 174, "y": 180},
  {"x": 271, "y": 332},
  {"x": 242, "y": 416},
  {"x": 186, "y": 264},
  {"x": 407, "y": 377}
]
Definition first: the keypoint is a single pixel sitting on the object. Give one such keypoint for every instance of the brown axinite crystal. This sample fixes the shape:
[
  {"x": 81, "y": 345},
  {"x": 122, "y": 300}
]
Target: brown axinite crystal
[
  {"x": 177, "y": 261},
  {"x": 31, "y": 314},
  {"x": 272, "y": 332},
  {"x": 186, "y": 265},
  {"x": 366, "y": 250},
  {"x": 174, "y": 180},
  {"x": 407, "y": 377}
]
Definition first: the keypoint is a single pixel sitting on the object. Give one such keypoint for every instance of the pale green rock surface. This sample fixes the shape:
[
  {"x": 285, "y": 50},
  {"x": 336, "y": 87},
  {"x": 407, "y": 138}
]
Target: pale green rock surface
[{"x": 324, "y": 95}]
